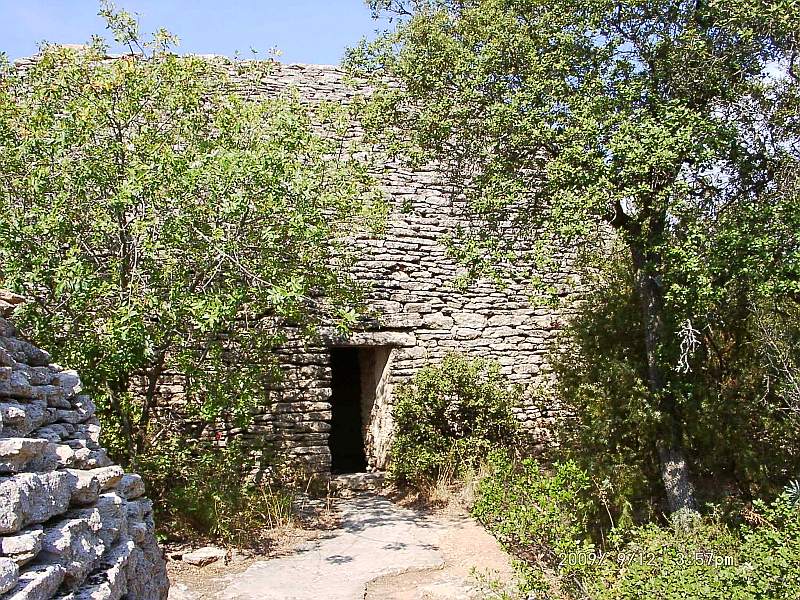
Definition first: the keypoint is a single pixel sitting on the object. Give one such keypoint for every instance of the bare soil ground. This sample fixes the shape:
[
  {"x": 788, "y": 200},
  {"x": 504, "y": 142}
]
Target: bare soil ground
[
  {"x": 365, "y": 547},
  {"x": 189, "y": 582}
]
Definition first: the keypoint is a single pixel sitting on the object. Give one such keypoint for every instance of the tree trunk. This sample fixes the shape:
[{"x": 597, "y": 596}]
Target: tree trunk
[
  {"x": 149, "y": 401},
  {"x": 674, "y": 467}
]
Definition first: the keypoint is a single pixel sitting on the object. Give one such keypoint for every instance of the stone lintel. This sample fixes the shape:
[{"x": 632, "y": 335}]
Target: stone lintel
[{"x": 369, "y": 338}]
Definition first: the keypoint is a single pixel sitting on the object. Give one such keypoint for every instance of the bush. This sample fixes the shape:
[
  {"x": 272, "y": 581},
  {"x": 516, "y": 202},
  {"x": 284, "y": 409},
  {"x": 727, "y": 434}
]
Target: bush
[
  {"x": 740, "y": 422},
  {"x": 759, "y": 561},
  {"x": 542, "y": 517},
  {"x": 202, "y": 491},
  {"x": 449, "y": 417},
  {"x": 163, "y": 225}
]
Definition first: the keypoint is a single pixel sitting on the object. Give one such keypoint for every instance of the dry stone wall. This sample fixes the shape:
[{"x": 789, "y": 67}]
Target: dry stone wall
[
  {"x": 420, "y": 313},
  {"x": 72, "y": 524}
]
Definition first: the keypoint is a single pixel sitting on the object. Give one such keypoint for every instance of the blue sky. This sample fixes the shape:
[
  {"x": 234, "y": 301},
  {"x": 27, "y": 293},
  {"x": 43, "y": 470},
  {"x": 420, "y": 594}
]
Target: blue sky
[{"x": 306, "y": 31}]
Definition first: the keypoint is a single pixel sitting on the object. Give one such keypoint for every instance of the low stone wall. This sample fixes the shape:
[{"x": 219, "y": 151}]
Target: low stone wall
[{"x": 72, "y": 524}]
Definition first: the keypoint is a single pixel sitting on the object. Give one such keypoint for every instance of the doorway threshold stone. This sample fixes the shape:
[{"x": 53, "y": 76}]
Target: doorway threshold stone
[{"x": 358, "y": 482}]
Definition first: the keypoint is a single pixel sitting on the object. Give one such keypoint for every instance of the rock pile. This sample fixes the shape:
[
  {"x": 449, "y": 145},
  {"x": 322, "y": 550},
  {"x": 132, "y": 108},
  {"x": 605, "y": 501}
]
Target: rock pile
[{"x": 72, "y": 524}]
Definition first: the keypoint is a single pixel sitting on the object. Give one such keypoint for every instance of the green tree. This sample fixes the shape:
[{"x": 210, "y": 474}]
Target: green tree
[
  {"x": 584, "y": 121},
  {"x": 162, "y": 225}
]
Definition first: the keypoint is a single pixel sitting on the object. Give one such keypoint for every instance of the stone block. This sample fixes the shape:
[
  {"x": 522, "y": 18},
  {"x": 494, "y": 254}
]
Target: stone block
[
  {"x": 437, "y": 321},
  {"x": 76, "y": 545},
  {"x": 19, "y": 419},
  {"x": 109, "y": 477},
  {"x": 33, "y": 498},
  {"x": 465, "y": 333},
  {"x": 83, "y": 409},
  {"x": 110, "y": 581},
  {"x": 17, "y": 453},
  {"x": 86, "y": 458},
  {"x": 9, "y": 574},
  {"x": 139, "y": 510},
  {"x": 146, "y": 571},
  {"x": 87, "y": 488},
  {"x": 54, "y": 432},
  {"x": 55, "y": 456},
  {"x": 37, "y": 583},
  {"x": 131, "y": 486},
  {"x": 204, "y": 556},
  {"x": 469, "y": 320},
  {"x": 69, "y": 381},
  {"x": 23, "y": 546}
]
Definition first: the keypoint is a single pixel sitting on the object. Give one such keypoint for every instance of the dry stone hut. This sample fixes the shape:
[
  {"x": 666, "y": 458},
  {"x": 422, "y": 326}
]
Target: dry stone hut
[{"x": 332, "y": 413}]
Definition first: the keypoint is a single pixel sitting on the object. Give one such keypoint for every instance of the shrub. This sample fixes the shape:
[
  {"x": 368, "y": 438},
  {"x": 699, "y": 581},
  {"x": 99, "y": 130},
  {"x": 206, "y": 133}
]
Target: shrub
[
  {"x": 740, "y": 420},
  {"x": 161, "y": 224},
  {"x": 203, "y": 491},
  {"x": 449, "y": 417},
  {"x": 541, "y": 517},
  {"x": 759, "y": 561}
]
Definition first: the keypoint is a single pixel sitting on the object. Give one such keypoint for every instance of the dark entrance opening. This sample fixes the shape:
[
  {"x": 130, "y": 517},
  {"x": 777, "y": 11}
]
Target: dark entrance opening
[{"x": 346, "y": 440}]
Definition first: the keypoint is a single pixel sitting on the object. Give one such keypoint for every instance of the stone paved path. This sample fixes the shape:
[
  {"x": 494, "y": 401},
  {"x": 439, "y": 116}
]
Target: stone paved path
[{"x": 381, "y": 551}]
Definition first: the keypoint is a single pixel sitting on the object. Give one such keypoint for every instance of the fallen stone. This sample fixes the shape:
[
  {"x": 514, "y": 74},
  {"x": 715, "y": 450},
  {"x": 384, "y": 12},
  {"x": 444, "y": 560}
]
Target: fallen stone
[{"x": 204, "y": 556}]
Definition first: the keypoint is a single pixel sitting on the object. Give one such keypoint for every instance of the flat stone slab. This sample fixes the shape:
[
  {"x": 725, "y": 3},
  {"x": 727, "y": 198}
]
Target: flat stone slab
[
  {"x": 204, "y": 556},
  {"x": 376, "y": 538},
  {"x": 356, "y": 482}
]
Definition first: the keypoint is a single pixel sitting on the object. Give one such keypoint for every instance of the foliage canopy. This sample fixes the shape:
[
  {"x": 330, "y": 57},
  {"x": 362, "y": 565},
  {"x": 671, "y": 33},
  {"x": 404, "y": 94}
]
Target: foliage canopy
[
  {"x": 668, "y": 127},
  {"x": 161, "y": 224}
]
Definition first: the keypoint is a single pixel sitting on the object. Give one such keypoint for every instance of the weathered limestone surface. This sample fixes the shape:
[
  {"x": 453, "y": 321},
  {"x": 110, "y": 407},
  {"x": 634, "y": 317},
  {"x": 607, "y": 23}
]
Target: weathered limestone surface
[{"x": 72, "y": 525}]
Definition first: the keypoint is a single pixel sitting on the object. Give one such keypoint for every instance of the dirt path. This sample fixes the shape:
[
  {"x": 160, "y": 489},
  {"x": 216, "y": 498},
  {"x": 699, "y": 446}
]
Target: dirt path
[{"x": 380, "y": 550}]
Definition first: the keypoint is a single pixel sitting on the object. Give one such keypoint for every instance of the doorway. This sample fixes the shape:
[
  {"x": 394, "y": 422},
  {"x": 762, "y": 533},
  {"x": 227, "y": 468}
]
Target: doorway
[{"x": 359, "y": 408}]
